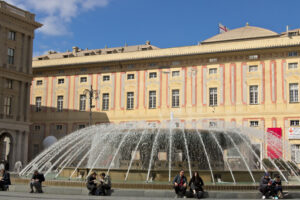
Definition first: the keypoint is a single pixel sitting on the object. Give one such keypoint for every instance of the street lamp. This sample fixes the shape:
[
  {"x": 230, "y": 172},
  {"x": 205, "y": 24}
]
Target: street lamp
[{"x": 91, "y": 94}]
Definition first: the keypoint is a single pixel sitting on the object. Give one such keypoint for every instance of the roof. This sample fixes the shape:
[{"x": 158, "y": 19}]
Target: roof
[
  {"x": 247, "y": 32},
  {"x": 77, "y": 52},
  {"x": 237, "y": 45}
]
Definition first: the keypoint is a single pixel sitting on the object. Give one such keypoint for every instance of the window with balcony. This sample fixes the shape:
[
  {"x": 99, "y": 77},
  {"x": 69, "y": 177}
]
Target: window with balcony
[
  {"x": 253, "y": 68},
  {"x": 152, "y": 75},
  {"x": 83, "y": 79},
  {"x": 175, "y": 98},
  {"x": 61, "y": 81},
  {"x": 38, "y": 104},
  {"x": 294, "y": 92},
  {"x": 130, "y": 100},
  {"x": 39, "y": 82},
  {"x": 10, "y": 56},
  {"x": 60, "y": 103},
  {"x": 106, "y": 78},
  {"x": 152, "y": 99},
  {"x": 213, "y": 96},
  {"x": 253, "y": 90},
  {"x": 105, "y": 101},
  {"x": 212, "y": 70},
  {"x": 82, "y": 104}
]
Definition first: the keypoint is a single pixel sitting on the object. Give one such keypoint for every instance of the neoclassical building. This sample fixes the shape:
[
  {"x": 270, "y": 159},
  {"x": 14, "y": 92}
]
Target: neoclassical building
[
  {"x": 249, "y": 76},
  {"x": 16, "y": 37}
]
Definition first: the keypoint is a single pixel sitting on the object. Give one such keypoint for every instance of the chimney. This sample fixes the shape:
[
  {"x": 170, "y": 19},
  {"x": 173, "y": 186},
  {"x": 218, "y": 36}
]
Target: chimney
[{"x": 75, "y": 49}]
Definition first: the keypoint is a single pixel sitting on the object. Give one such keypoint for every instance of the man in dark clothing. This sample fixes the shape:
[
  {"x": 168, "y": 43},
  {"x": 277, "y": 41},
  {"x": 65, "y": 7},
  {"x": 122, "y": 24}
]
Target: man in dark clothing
[
  {"x": 36, "y": 181},
  {"x": 105, "y": 185},
  {"x": 4, "y": 180},
  {"x": 180, "y": 184},
  {"x": 277, "y": 188},
  {"x": 91, "y": 183},
  {"x": 265, "y": 185}
]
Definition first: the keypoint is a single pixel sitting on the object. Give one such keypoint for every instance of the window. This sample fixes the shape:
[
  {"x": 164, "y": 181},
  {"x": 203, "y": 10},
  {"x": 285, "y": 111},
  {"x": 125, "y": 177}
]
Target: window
[
  {"x": 7, "y": 106},
  {"x": 213, "y": 96},
  {"x": 38, "y": 104},
  {"x": 253, "y": 90},
  {"x": 253, "y": 123},
  {"x": 293, "y": 65},
  {"x": 130, "y": 76},
  {"x": 11, "y": 55},
  {"x": 292, "y": 53},
  {"x": 253, "y": 68},
  {"x": 60, "y": 102},
  {"x": 253, "y": 57},
  {"x": 35, "y": 150},
  {"x": 83, "y": 79},
  {"x": 294, "y": 92},
  {"x": 130, "y": 100},
  {"x": 12, "y": 35},
  {"x": 9, "y": 84},
  {"x": 37, "y": 127},
  {"x": 106, "y": 78},
  {"x": 81, "y": 126},
  {"x": 175, "y": 73},
  {"x": 212, "y": 124},
  {"x": 152, "y": 75},
  {"x": 211, "y": 60},
  {"x": 152, "y": 99},
  {"x": 82, "y": 102},
  {"x": 175, "y": 98},
  {"x": 105, "y": 101},
  {"x": 39, "y": 82},
  {"x": 61, "y": 81},
  {"x": 59, "y": 127},
  {"x": 295, "y": 148},
  {"x": 294, "y": 123},
  {"x": 212, "y": 70}
]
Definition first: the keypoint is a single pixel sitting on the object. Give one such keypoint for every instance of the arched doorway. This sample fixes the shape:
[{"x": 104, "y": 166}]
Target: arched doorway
[{"x": 6, "y": 149}]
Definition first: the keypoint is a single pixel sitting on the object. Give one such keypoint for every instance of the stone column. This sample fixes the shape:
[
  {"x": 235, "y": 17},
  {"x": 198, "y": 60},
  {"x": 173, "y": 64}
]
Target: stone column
[{"x": 25, "y": 148}]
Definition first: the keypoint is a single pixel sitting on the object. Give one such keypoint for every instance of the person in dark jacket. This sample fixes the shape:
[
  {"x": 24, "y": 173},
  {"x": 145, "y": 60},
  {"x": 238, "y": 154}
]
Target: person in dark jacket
[
  {"x": 36, "y": 182},
  {"x": 265, "y": 185},
  {"x": 277, "y": 188},
  {"x": 91, "y": 183},
  {"x": 104, "y": 185},
  {"x": 4, "y": 180},
  {"x": 196, "y": 185},
  {"x": 180, "y": 184}
]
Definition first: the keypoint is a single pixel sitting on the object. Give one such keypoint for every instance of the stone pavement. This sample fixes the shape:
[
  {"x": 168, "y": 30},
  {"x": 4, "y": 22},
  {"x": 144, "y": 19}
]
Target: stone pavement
[{"x": 21, "y": 192}]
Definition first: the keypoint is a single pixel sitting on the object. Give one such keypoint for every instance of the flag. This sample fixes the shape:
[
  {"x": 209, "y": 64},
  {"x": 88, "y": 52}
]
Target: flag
[{"x": 222, "y": 28}]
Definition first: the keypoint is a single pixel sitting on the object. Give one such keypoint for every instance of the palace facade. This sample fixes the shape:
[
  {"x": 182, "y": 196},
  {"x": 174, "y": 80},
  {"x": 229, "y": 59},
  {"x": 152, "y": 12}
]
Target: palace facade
[
  {"x": 249, "y": 76},
  {"x": 16, "y": 38}
]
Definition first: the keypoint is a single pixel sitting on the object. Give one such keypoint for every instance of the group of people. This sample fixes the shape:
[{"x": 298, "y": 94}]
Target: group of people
[
  {"x": 270, "y": 188},
  {"x": 196, "y": 185},
  {"x": 99, "y": 186}
]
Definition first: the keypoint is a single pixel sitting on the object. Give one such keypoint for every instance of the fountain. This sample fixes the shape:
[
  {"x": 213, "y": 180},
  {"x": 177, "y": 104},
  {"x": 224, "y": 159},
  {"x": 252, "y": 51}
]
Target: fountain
[{"x": 139, "y": 151}]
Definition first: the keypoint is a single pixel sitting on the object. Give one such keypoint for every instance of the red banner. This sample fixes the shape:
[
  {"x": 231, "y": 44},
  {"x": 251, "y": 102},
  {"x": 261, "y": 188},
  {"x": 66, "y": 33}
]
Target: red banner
[{"x": 274, "y": 143}]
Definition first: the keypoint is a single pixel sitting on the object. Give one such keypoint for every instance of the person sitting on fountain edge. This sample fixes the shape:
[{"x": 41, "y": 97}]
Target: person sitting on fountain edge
[
  {"x": 265, "y": 185},
  {"x": 91, "y": 183},
  {"x": 4, "y": 180},
  {"x": 36, "y": 181},
  {"x": 277, "y": 188},
  {"x": 179, "y": 183},
  {"x": 196, "y": 184},
  {"x": 104, "y": 186}
]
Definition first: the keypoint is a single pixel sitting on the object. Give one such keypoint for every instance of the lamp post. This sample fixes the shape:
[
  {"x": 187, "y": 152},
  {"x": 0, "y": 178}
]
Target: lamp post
[{"x": 91, "y": 94}]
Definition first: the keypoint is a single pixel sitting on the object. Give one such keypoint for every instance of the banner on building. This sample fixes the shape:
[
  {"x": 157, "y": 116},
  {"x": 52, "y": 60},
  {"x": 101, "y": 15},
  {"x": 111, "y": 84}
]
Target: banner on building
[
  {"x": 294, "y": 133},
  {"x": 274, "y": 143}
]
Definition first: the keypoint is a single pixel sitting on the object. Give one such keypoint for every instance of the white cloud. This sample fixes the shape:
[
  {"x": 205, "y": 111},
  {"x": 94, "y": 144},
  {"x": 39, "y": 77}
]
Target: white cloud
[{"x": 56, "y": 14}]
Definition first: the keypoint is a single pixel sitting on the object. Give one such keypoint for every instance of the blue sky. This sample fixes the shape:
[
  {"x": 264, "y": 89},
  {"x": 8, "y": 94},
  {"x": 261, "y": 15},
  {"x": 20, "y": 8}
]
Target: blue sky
[{"x": 166, "y": 23}]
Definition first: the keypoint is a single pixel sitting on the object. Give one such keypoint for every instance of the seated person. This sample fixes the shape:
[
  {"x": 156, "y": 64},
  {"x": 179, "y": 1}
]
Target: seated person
[
  {"x": 265, "y": 185},
  {"x": 277, "y": 188},
  {"x": 36, "y": 182},
  {"x": 196, "y": 184},
  {"x": 179, "y": 184},
  {"x": 4, "y": 180},
  {"x": 91, "y": 183},
  {"x": 104, "y": 185}
]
